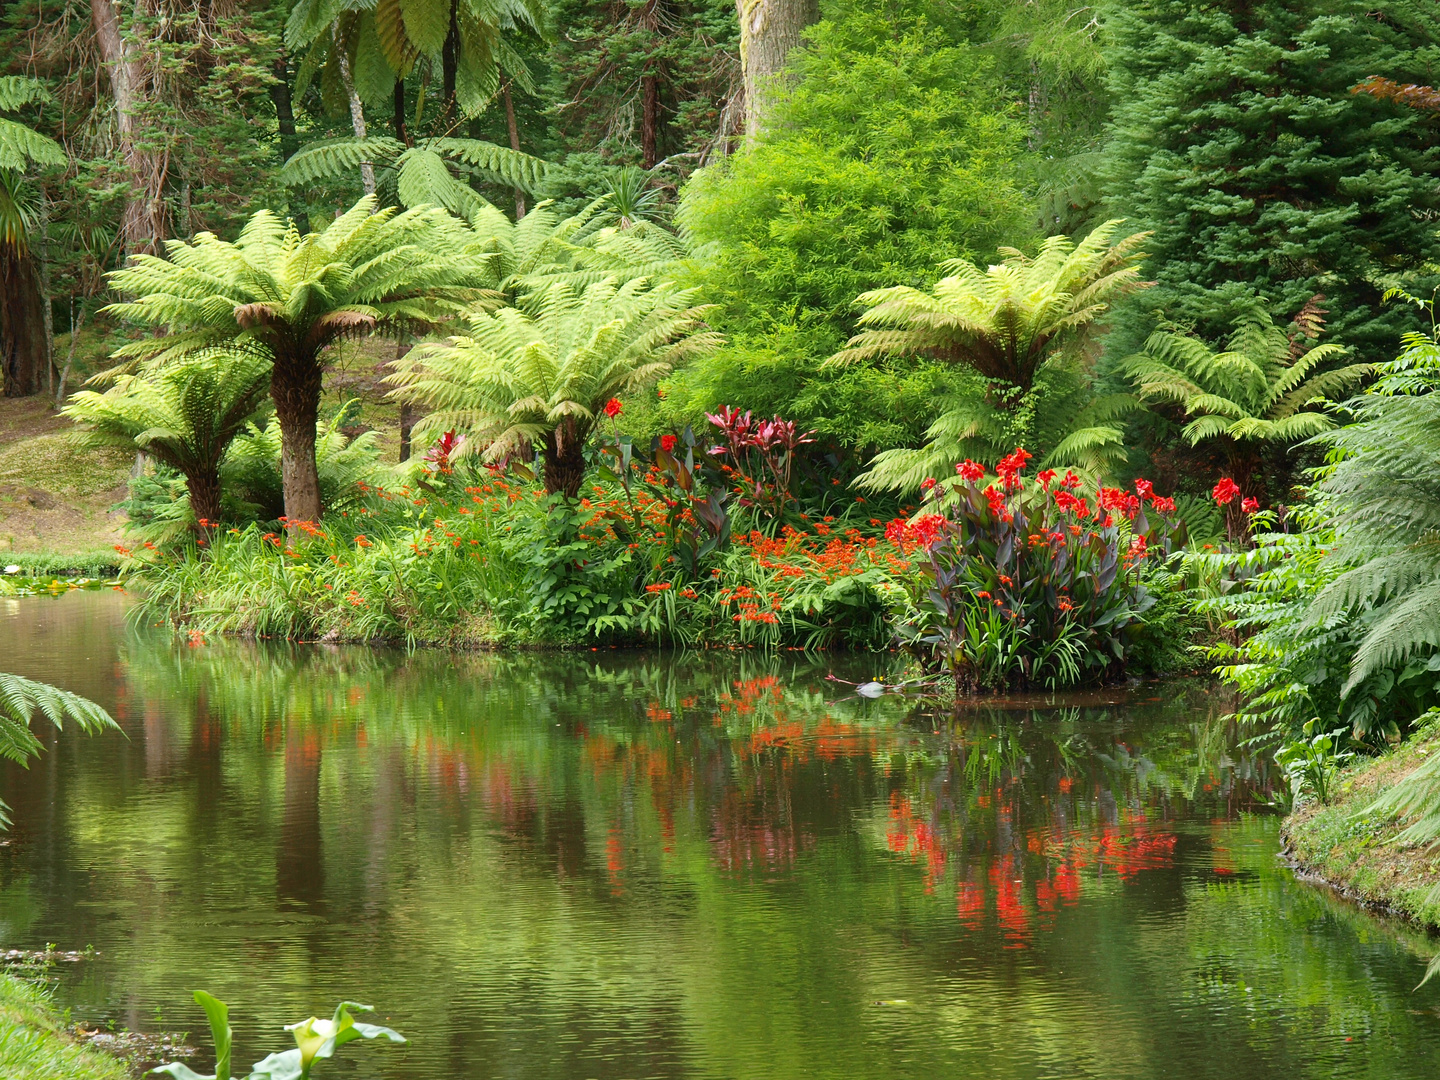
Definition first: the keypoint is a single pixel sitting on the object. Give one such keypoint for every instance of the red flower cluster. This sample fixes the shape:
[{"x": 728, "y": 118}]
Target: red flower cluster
[
  {"x": 1225, "y": 491},
  {"x": 612, "y": 408},
  {"x": 922, "y": 532},
  {"x": 667, "y": 443},
  {"x": 1249, "y": 505},
  {"x": 1011, "y": 466},
  {"x": 970, "y": 471}
]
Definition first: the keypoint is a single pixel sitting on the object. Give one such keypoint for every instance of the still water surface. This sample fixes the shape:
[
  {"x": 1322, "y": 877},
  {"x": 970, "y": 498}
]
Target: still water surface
[{"x": 621, "y": 866}]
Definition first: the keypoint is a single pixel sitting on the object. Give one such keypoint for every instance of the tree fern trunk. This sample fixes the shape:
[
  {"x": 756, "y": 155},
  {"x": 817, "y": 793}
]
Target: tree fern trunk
[
  {"x": 564, "y": 460},
  {"x": 295, "y": 389},
  {"x": 204, "y": 488}
]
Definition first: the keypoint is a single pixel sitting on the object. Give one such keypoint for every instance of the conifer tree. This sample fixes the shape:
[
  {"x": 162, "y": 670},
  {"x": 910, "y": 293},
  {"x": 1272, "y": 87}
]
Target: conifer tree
[{"x": 1236, "y": 139}]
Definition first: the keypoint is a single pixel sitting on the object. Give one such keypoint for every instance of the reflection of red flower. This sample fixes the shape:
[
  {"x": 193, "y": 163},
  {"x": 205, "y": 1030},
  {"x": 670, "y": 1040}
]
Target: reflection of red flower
[
  {"x": 612, "y": 408},
  {"x": 1225, "y": 491},
  {"x": 667, "y": 443}
]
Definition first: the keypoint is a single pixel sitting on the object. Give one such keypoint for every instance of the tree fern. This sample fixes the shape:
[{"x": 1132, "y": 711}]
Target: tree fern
[
  {"x": 184, "y": 415},
  {"x": 288, "y": 297},
  {"x": 1008, "y": 321},
  {"x": 1058, "y": 420},
  {"x": 1268, "y": 387},
  {"x": 419, "y": 169},
  {"x": 542, "y": 375},
  {"x": 21, "y": 700}
]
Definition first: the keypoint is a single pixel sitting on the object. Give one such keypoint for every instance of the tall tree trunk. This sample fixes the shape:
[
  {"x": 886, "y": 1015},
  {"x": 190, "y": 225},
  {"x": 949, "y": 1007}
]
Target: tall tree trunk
[
  {"x": 41, "y": 254},
  {"x": 449, "y": 67},
  {"x": 769, "y": 29},
  {"x": 285, "y": 123},
  {"x": 142, "y": 225},
  {"x": 284, "y": 107},
  {"x": 401, "y": 131},
  {"x": 514, "y": 145},
  {"x": 564, "y": 460},
  {"x": 204, "y": 488},
  {"x": 76, "y": 325},
  {"x": 295, "y": 389},
  {"x": 22, "y": 324},
  {"x": 649, "y": 121},
  {"x": 357, "y": 110}
]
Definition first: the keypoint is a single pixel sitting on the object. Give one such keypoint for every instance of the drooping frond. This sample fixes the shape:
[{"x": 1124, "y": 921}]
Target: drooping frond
[
  {"x": 331, "y": 159},
  {"x": 20, "y": 147},
  {"x": 21, "y": 700},
  {"x": 501, "y": 164}
]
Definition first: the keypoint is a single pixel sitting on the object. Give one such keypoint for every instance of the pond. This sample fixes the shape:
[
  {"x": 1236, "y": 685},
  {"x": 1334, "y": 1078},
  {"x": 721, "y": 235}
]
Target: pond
[{"x": 620, "y": 865}]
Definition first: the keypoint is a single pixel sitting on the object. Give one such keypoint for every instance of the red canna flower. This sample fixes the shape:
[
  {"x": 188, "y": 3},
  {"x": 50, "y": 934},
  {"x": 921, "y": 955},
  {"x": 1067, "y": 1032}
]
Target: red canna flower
[
  {"x": 1145, "y": 489},
  {"x": 667, "y": 443},
  {"x": 970, "y": 470},
  {"x": 1249, "y": 505},
  {"x": 1225, "y": 491},
  {"x": 928, "y": 483},
  {"x": 1046, "y": 477},
  {"x": 612, "y": 408}
]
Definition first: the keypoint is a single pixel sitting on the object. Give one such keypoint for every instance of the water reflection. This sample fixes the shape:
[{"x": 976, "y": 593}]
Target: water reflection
[{"x": 604, "y": 865}]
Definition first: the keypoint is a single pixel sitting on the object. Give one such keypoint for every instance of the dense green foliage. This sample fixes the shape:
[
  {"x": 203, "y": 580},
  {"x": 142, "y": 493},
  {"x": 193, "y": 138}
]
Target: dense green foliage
[
  {"x": 895, "y": 153},
  {"x": 1234, "y": 137}
]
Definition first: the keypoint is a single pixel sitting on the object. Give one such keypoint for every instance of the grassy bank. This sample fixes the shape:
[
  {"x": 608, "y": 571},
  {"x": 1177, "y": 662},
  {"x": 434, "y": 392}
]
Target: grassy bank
[
  {"x": 1351, "y": 849},
  {"x": 33, "y": 1045}
]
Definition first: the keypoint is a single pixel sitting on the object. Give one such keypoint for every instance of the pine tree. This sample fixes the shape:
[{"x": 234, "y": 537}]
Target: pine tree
[
  {"x": 1236, "y": 139},
  {"x": 643, "y": 81}
]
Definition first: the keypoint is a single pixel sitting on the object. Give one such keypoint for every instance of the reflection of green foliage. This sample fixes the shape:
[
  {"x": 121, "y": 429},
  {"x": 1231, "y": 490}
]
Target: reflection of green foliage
[{"x": 611, "y": 849}]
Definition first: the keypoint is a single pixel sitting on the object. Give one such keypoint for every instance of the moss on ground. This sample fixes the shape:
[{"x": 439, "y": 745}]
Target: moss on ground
[
  {"x": 33, "y": 1045},
  {"x": 1353, "y": 850}
]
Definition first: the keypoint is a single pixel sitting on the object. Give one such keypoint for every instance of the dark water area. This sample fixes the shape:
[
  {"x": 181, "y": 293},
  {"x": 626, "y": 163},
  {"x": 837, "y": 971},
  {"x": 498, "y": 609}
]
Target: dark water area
[{"x": 614, "y": 865}]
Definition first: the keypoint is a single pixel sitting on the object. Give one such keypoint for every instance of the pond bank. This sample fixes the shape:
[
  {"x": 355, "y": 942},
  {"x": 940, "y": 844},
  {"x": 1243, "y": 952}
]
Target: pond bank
[
  {"x": 34, "y": 1046},
  {"x": 1339, "y": 846}
]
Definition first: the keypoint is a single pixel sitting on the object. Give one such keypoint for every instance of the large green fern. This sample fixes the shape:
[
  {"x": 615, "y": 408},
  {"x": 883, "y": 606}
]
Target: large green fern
[
  {"x": 21, "y": 700},
  {"x": 541, "y": 375},
  {"x": 1008, "y": 321},
  {"x": 184, "y": 415}
]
